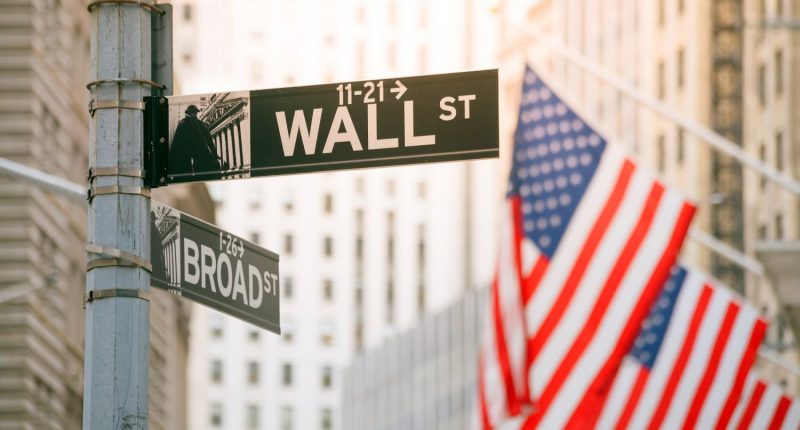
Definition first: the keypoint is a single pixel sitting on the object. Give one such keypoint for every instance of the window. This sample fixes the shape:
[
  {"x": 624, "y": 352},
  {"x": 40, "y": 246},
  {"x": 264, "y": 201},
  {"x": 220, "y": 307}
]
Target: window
[
  {"x": 680, "y": 145},
  {"x": 390, "y": 187},
  {"x": 287, "y": 331},
  {"x": 779, "y": 8},
  {"x": 390, "y": 302},
  {"x": 326, "y": 333},
  {"x": 680, "y": 6},
  {"x": 662, "y": 86},
  {"x": 679, "y": 66},
  {"x": 288, "y": 287},
  {"x": 327, "y": 290},
  {"x": 187, "y": 12},
  {"x": 423, "y": 59},
  {"x": 778, "y": 71},
  {"x": 391, "y": 55},
  {"x": 359, "y": 185},
  {"x": 287, "y": 374},
  {"x": 326, "y": 422},
  {"x": 762, "y": 84},
  {"x": 328, "y": 203},
  {"x": 216, "y": 371},
  {"x": 288, "y": 207},
  {"x": 421, "y": 190},
  {"x": 216, "y": 323},
  {"x": 359, "y": 336},
  {"x": 288, "y": 244},
  {"x": 252, "y": 417},
  {"x": 253, "y": 335},
  {"x": 327, "y": 246},
  {"x": 662, "y": 12},
  {"x": 779, "y": 226},
  {"x": 359, "y": 247},
  {"x": 216, "y": 414},
  {"x": 287, "y": 418},
  {"x": 762, "y": 232},
  {"x": 779, "y": 150},
  {"x": 421, "y": 298},
  {"x": 252, "y": 372},
  {"x": 392, "y": 9},
  {"x": 762, "y": 155},
  {"x": 359, "y": 296},
  {"x": 254, "y": 237},
  {"x": 660, "y": 153},
  {"x": 327, "y": 376}
]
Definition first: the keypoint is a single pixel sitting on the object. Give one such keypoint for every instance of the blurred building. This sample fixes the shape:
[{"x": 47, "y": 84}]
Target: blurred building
[
  {"x": 363, "y": 254},
  {"x": 422, "y": 378},
  {"x": 44, "y": 67},
  {"x": 723, "y": 63}
]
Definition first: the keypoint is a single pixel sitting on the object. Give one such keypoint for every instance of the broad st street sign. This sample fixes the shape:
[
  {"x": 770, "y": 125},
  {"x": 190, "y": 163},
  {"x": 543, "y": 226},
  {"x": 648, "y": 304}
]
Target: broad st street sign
[
  {"x": 347, "y": 125},
  {"x": 196, "y": 260}
]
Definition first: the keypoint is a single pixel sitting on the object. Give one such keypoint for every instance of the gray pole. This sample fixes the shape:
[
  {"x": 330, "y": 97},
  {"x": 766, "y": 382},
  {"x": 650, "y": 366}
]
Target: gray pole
[{"x": 117, "y": 309}]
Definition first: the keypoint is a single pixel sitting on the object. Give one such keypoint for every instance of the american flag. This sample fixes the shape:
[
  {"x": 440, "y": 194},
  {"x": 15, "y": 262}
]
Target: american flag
[
  {"x": 765, "y": 406},
  {"x": 587, "y": 243},
  {"x": 690, "y": 361}
]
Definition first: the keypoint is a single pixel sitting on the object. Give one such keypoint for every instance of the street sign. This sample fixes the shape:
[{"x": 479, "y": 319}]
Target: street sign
[
  {"x": 383, "y": 122},
  {"x": 197, "y": 260}
]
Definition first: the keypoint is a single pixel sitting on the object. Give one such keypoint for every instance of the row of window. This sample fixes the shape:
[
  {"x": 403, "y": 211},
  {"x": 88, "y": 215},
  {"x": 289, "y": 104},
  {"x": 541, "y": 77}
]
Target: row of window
[
  {"x": 326, "y": 331},
  {"x": 253, "y": 376},
  {"x": 253, "y": 417}
]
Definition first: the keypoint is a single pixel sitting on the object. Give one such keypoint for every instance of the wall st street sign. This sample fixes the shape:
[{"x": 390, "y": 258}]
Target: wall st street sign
[
  {"x": 197, "y": 260},
  {"x": 383, "y": 122}
]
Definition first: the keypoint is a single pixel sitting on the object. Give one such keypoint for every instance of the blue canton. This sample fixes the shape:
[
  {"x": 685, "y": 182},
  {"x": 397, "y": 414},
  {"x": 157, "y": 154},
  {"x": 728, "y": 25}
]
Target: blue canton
[
  {"x": 555, "y": 157},
  {"x": 654, "y": 327}
]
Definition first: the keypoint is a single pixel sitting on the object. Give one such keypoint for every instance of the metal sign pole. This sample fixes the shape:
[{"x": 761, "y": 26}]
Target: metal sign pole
[{"x": 117, "y": 339}]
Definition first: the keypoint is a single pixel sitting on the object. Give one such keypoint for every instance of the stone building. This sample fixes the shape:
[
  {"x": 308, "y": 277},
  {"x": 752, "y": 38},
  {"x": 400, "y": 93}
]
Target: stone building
[{"x": 44, "y": 67}]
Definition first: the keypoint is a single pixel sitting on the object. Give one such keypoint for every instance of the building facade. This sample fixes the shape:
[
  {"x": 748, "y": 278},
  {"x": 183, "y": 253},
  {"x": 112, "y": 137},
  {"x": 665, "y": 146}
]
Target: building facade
[
  {"x": 363, "y": 254},
  {"x": 422, "y": 378},
  {"x": 722, "y": 63},
  {"x": 44, "y": 64}
]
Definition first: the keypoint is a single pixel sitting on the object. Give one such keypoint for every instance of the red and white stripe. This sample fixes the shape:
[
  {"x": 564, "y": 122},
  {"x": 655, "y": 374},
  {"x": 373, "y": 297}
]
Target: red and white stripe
[
  {"x": 502, "y": 388},
  {"x": 765, "y": 406},
  {"x": 587, "y": 308},
  {"x": 699, "y": 374}
]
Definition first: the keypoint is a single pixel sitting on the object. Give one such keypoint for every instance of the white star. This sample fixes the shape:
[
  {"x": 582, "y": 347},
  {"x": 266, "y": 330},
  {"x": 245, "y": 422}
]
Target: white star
[
  {"x": 577, "y": 125},
  {"x": 586, "y": 159},
  {"x": 534, "y": 171},
  {"x": 548, "y": 185},
  {"x": 524, "y": 190},
  {"x": 522, "y": 173},
  {"x": 552, "y": 129},
  {"x": 545, "y": 167},
  {"x": 569, "y": 144},
  {"x": 545, "y": 240},
  {"x": 555, "y": 146},
  {"x": 552, "y": 203},
  {"x": 538, "y": 205},
  {"x": 542, "y": 149},
  {"x": 572, "y": 161},
  {"x": 563, "y": 126},
  {"x": 575, "y": 178},
  {"x": 555, "y": 220},
  {"x": 545, "y": 93},
  {"x": 541, "y": 223},
  {"x": 558, "y": 164},
  {"x": 564, "y": 199},
  {"x": 561, "y": 109},
  {"x": 561, "y": 181},
  {"x": 594, "y": 139},
  {"x": 536, "y": 114},
  {"x": 530, "y": 78},
  {"x": 536, "y": 188},
  {"x": 548, "y": 111}
]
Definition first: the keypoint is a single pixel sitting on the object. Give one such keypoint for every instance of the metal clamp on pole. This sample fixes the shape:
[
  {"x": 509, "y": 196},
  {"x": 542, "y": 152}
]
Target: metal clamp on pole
[
  {"x": 114, "y": 171},
  {"x": 115, "y": 292},
  {"x": 114, "y": 104},
  {"x": 125, "y": 81},
  {"x": 147, "y": 5},
  {"x": 118, "y": 258},
  {"x": 117, "y": 189}
]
